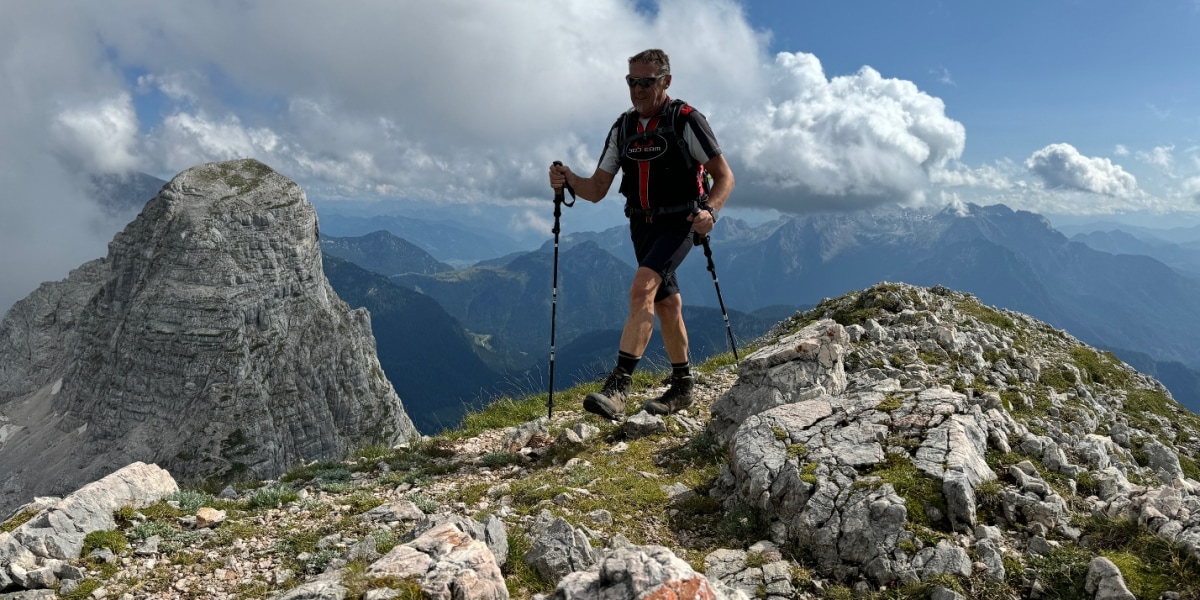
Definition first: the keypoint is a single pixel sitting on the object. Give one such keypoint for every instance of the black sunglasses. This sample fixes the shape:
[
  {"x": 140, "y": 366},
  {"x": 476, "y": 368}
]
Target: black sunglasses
[{"x": 642, "y": 81}]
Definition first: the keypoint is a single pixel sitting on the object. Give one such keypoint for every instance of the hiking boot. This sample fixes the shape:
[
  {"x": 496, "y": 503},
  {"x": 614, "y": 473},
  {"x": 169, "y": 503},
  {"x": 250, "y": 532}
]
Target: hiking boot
[
  {"x": 610, "y": 402},
  {"x": 676, "y": 398}
]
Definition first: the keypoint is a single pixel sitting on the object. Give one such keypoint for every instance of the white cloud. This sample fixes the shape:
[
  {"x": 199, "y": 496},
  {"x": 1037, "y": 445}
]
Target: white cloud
[
  {"x": 1121, "y": 150},
  {"x": 1161, "y": 157},
  {"x": 957, "y": 174},
  {"x": 176, "y": 86},
  {"x": 99, "y": 137},
  {"x": 943, "y": 75},
  {"x": 189, "y": 139},
  {"x": 846, "y": 142},
  {"x": 1062, "y": 166},
  {"x": 1191, "y": 188}
]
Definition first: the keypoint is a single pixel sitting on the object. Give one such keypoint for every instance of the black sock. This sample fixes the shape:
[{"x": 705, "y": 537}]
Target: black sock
[
  {"x": 681, "y": 370},
  {"x": 627, "y": 362}
]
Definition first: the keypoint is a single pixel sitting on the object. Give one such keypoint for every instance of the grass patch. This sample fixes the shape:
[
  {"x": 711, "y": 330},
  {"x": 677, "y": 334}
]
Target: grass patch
[
  {"x": 1103, "y": 368},
  {"x": 1149, "y": 563},
  {"x": 497, "y": 460},
  {"x": 324, "y": 471},
  {"x": 889, "y": 404},
  {"x": 361, "y": 502},
  {"x": 509, "y": 412},
  {"x": 1140, "y": 403},
  {"x": 1057, "y": 377},
  {"x": 82, "y": 591},
  {"x": 12, "y": 524},
  {"x": 272, "y": 497},
  {"x": 471, "y": 494},
  {"x": 358, "y": 582},
  {"x": 1062, "y": 572},
  {"x": 520, "y": 577},
  {"x": 109, "y": 538},
  {"x": 918, "y": 489},
  {"x": 190, "y": 501},
  {"x": 986, "y": 315},
  {"x": 739, "y": 523}
]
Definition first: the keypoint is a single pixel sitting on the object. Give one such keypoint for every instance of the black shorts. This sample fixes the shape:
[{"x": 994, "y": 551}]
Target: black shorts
[{"x": 661, "y": 245}]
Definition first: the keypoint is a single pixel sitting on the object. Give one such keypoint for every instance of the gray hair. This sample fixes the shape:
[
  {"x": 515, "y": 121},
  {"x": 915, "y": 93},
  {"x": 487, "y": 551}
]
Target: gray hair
[{"x": 654, "y": 56}]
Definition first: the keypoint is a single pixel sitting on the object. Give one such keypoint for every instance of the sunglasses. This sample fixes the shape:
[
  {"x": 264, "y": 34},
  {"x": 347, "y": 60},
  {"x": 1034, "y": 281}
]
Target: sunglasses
[{"x": 642, "y": 81}]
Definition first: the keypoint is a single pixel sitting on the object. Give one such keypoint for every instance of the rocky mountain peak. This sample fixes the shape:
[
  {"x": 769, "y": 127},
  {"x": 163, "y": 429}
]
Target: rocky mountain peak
[{"x": 207, "y": 341}]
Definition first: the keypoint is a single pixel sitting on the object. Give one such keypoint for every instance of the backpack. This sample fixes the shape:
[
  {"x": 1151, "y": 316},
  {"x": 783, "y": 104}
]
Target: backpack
[{"x": 677, "y": 109}]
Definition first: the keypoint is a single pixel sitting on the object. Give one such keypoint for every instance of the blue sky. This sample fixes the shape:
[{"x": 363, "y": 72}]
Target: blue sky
[{"x": 1088, "y": 110}]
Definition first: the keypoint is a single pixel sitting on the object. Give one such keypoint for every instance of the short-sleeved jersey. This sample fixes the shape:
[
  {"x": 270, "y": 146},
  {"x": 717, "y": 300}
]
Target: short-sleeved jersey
[{"x": 654, "y": 172}]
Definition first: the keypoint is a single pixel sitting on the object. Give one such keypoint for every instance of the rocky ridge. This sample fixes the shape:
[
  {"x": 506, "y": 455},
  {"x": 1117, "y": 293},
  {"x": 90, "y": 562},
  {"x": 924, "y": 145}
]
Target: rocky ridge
[
  {"x": 208, "y": 341},
  {"x": 898, "y": 442}
]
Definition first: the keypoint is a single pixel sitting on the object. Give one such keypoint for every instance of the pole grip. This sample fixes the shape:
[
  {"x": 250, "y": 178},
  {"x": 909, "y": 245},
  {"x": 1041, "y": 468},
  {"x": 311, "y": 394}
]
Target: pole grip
[{"x": 558, "y": 193}]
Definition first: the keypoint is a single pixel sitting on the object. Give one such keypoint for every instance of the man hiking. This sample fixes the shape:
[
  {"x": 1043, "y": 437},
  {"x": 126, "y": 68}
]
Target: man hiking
[{"x": 664, "y": 149}]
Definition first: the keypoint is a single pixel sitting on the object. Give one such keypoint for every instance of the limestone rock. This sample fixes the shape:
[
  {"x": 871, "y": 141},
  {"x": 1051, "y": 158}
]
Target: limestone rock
[
  {"x": 447, "y": 563},
  {"x": 1105, "y": 581},
  {"x": 58, "y": 532},
  {"x": 631, "y": 572},
  {"x": 210, "y": 318},
  {"x": 798, "y": 367},
  {"x": 558, "y": 548}
]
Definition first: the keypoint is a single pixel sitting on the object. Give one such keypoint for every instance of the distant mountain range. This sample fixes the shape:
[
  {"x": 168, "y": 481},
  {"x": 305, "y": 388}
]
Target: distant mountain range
[
  {"x": 1182, "y": 256},
  {"x": 383, "y": 253},
  {"x": 429, "y": 358},
  {"x": 122, "y": 194},
  {"x": 1011, "y": 259},
  {"x": 448, "y": 241}
]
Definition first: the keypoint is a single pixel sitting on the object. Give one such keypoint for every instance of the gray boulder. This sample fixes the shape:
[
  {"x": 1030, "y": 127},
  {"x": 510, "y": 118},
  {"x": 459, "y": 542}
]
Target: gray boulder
[
  {"x": 960, "y": 501},
  {"x": 57, "y": 533},
  {"x": 1105, "y": 581},
  {"x": 315, "y": 590},
  {"x": 801, "y": 366},
  {"x": 447, "y": 562},
  {"x": 635, "y": 572},
  {"x": 558, "y": 548}
]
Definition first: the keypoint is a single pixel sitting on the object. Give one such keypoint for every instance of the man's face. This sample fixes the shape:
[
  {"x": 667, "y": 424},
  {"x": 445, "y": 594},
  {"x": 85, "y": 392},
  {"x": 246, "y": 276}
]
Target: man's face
[{"x": 647, "y": 100}]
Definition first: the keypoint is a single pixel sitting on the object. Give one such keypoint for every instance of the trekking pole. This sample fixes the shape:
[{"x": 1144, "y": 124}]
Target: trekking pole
[
  {"x": 559, "y": 201},
  {"x": 697, "y": 240}
]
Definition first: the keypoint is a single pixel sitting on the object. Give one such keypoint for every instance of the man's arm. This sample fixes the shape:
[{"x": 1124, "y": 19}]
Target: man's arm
[
  {"x": 702, "y": 222},
  {"x": 592, "y": 189},
  {"x": 722, "y": 181}
]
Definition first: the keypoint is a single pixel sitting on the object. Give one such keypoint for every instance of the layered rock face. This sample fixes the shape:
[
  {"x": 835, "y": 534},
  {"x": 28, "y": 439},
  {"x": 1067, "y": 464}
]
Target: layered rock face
[{"x": 208, "y": 341}]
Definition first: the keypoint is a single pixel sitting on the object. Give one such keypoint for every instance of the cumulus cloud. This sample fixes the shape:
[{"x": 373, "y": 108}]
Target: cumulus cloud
[
  {"x": 1062, "y": 166},
  {"x": 844, "y": 142},
  {"x": 99, "y": 137}
]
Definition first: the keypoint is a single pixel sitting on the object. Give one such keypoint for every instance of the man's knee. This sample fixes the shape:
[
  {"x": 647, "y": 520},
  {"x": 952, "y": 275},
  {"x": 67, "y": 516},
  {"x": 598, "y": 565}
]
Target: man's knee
[
  {"x": 644, "y": 288},
  {"x": 670, "y": 305}
]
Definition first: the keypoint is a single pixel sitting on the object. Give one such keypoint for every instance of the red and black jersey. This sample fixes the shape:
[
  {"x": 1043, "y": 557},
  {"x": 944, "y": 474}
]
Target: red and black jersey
[{"x": 661, "y": 159}]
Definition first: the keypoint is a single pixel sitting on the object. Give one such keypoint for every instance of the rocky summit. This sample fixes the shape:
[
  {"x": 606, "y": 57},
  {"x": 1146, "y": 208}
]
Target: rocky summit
[
  {"x": 208, "y": 342},
  {"x": 897, "y": 442}
]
